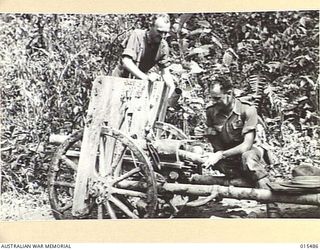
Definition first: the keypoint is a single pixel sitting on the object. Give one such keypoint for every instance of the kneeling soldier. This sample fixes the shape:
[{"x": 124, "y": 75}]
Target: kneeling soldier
[{"x": 233, "y": 130}]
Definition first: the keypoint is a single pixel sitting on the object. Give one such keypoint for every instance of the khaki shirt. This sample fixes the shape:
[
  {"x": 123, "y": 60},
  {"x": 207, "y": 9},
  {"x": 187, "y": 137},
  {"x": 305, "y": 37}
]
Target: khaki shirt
[
  {"x": 143, "y": 52},
  {"x": 228, "y": 130}
]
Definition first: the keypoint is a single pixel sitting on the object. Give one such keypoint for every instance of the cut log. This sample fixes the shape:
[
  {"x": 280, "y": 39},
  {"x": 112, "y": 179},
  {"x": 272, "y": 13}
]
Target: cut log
[
  {"x": 218, "y": 180},
  {"x": 239, "y": 193}
]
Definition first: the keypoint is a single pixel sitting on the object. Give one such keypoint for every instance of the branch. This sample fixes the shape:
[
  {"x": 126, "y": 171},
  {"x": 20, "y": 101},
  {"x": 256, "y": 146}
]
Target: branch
[{"x": 69, "y": 63}]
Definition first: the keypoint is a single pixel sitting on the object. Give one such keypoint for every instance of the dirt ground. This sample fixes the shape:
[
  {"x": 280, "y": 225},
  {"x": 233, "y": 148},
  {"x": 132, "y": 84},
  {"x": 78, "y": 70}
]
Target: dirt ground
[{"x": 36, "y": 207}]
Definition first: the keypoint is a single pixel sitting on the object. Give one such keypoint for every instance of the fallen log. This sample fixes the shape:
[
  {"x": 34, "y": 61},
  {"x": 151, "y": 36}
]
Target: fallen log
[
  {"x": 239, "y": 193},
  {"x": 218, "y": 180}
]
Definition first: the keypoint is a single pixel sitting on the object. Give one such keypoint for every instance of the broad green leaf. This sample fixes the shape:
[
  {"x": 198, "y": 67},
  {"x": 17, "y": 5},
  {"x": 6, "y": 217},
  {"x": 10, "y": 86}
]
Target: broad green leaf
[
  {"x": 183, "y": 19},
  {"x": 227, "y": 58},
  {"x": 216, "y": 41},
  {"x": 176, "y": 68},
  {"x": 199, "y": 31},
  {"x": 202, "y": 50},
  {"x": 309, "y": 80},
  {"x": 204, "y": 24},
  {"x": 195, "y": 68}
]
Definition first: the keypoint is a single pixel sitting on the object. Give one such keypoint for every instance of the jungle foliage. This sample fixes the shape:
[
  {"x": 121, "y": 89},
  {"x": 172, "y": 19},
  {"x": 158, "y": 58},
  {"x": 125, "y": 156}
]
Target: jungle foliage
[{"x": 48, "y": 63}]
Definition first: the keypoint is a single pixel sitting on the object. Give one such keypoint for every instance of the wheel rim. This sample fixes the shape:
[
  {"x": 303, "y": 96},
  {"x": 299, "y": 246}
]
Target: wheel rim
[
  {"x": 168, "y": 131},
  {"x": 122, "y": 161}
]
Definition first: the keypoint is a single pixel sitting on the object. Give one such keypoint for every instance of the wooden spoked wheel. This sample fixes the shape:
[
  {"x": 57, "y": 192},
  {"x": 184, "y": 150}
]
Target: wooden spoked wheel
[{"x": 119, "y": 162}]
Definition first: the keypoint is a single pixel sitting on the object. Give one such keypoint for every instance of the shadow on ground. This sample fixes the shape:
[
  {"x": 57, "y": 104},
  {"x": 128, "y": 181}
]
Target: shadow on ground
[{"x": 229, "y": 208}]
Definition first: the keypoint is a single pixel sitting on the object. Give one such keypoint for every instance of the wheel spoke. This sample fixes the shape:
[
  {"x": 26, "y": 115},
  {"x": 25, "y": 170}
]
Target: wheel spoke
[
  {"x": 134, "y": 160},
  {"x": 118, "y": 163},
  {"x": 163, "y": 133},
  {"x": 123, "y": 207},
  {"x": 100, "y": 212},
  {"x": 110, "y": 210},
  {"x": 128, "y": 192},
  {"x": 69, "y": 162},
  {"x": 126, "y": 175}
]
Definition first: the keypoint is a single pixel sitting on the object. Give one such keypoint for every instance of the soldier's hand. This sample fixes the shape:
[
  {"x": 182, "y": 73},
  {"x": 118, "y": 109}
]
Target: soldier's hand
[
  {"x": 152, "y": 77},
  {"x": 212, "y": 159},
  {"x": 199, "y": 131}
]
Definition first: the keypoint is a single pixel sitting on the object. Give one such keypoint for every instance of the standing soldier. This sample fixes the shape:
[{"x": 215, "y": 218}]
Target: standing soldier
[{"x": 145, "y": 49}]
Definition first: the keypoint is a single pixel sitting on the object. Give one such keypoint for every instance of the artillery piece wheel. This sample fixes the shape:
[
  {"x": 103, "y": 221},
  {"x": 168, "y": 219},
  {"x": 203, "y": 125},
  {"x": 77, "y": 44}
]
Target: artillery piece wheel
[
  {"x": 176, "y": 202},
  {"x": 165, "y": 130},
  {"x": 108, "y": 196}
]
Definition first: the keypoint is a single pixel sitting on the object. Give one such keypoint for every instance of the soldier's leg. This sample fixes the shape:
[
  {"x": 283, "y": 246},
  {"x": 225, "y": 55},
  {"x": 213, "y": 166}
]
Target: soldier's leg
[{"x": 252, "y": 163}]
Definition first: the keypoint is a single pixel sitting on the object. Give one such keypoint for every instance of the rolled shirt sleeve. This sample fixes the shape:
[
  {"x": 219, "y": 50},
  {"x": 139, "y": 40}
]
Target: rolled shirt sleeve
[
  {"x": 251, "y": 120},
  {"x": 131, "y": 46}
]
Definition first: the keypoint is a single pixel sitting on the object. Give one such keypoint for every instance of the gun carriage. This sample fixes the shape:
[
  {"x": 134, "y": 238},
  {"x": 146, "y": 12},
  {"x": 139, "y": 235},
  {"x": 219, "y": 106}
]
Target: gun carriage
[{"x": 128, "y": 163}]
